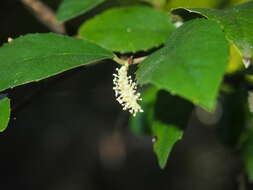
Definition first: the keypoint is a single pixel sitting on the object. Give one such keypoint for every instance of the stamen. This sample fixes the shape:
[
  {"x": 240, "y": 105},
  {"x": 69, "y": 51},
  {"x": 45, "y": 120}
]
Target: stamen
[{"x": 125, "y": 90}]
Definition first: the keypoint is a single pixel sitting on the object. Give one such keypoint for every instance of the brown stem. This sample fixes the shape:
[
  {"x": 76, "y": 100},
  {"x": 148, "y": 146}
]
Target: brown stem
[{"x": 45, "y": 15}]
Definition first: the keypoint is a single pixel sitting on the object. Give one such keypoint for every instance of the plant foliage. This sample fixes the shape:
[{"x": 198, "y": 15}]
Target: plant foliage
[{"x": 184, "y": 66}]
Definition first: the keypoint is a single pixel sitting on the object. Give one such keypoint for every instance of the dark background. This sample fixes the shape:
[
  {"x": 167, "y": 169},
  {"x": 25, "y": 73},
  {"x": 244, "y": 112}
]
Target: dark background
[{"x": 69, "y": 133}]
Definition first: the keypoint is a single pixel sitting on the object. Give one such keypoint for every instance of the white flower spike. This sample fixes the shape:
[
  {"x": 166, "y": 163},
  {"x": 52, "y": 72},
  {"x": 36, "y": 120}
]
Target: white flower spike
[
  {"x": 125, "y": 90},
  {"x": 10, "y": 40}
]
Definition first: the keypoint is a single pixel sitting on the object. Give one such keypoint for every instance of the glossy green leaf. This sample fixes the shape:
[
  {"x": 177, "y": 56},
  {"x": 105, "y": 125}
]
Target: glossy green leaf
[
  {"x": 192, "y": 63},
  {"x": 128, "y": 29},
  {"x": 72, "y": 8},
  {"x": 237, "y": 23},
  {"x": 168, "y": 126},
  {"x": 5, "y": 112},
  {"x": 38, "y": 56}
]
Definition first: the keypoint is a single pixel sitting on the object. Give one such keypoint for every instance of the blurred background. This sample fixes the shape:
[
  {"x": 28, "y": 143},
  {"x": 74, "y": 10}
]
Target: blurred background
[{"x": 69, "y": 133}]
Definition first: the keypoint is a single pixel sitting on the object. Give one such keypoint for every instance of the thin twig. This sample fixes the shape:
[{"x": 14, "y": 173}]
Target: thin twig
[
  {"x": 138, "y": 60},
  {"x": 133, "y": 61},
  {"x": 45, "y": 15},
  {"x": 129, "y": 60}
]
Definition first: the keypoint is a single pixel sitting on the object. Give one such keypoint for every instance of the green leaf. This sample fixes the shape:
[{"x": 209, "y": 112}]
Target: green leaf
[
  {"x": 128, "y": 29},
  {"x": 237, "y": 23},
  {"x": 5, "y": 112},
  {"x": 235, "y": 2},
  {"x": 38, "y": 56},
  {"x": 167, "y": 126},
  {"x": 160, "y": 4},
  {"x": 167, "y": 136},
  {"x": 193, "y": 3},
  {"x": 72, "y": 8},
  {"x": 192, "y": 63}
]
